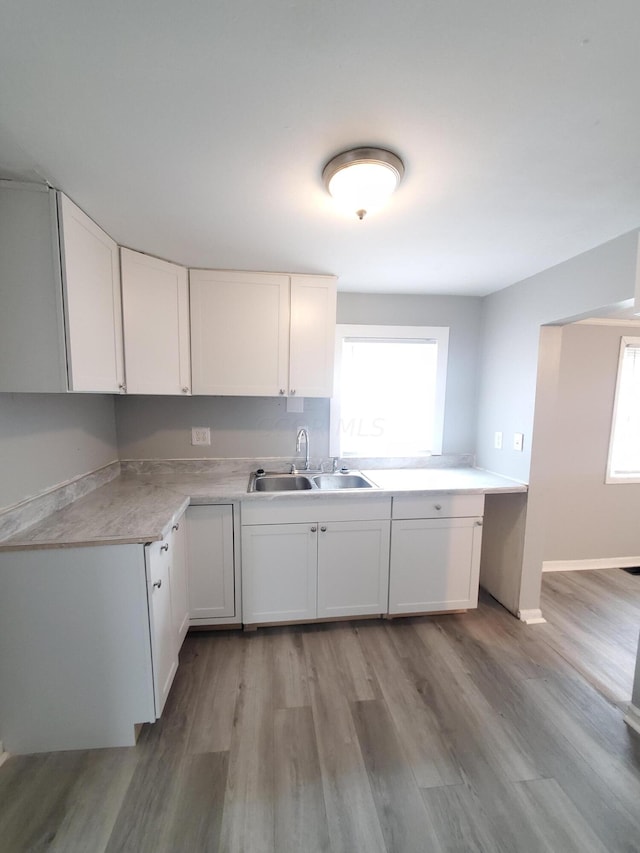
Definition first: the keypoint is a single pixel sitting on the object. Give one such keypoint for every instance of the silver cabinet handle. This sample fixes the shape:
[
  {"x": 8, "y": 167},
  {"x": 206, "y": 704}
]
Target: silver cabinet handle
[
  {"x": 479, "y": 522},
  {"x": 313, "y": 529},
  {"x": 323, "y": 529},
  {"x": 185, "y": 390},
  {"x": 437, "y": 506},
  {"x": 123, "y": 387},
  {"x": 282, "y": 390},
  {"x": 293, "y": 391},
  {"x": 164, "y": 547},
  {"x": 157, "y": 584},
  {"x": 176, "y": 526}
]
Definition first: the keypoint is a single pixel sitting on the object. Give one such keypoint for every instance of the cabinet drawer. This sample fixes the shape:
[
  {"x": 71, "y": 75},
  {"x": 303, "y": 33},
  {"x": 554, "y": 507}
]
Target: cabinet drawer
[{"x": 438, "y": 506}]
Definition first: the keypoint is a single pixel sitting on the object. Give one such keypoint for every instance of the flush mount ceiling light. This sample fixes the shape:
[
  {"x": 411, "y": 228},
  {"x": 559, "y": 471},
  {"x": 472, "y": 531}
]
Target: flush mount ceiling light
[{"x": 362, "y": 179}]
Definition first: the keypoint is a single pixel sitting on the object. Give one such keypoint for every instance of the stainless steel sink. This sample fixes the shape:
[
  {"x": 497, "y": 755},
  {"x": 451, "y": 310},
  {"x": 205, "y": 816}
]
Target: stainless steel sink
[
  {"x": 272, "y": 482},
  {"x": 279, "y": 483},
  {"x": 330, "y": 482}
]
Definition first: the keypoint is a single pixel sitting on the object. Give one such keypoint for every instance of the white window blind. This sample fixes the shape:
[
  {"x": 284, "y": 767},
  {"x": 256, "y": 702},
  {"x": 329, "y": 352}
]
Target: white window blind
[{"x": 624, "y": 450}]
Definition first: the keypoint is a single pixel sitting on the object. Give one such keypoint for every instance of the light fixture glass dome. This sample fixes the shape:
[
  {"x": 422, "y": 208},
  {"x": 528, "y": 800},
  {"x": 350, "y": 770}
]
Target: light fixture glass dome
[{"x": 362, "y": 179}]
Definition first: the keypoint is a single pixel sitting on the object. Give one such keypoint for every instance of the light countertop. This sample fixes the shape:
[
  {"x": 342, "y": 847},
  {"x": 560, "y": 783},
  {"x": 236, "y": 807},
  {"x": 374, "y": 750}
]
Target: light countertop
[{"x": 139, "y": 508}]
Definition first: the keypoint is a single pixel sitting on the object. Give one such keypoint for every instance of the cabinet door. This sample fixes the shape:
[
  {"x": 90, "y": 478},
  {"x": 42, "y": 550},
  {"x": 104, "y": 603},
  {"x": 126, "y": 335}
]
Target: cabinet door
[
  {"x": 155, "y": 311},
  {"x": 164, "y": 647},
  {"x": 210, "y": 562},
  {"x": 239, "y": 333},
  {"x": 279, "y": 568},
  {"x": 312, "y": 341},
  {"x": 93, "y": 311},
  {"x": 178, "y": 577},
  {"x": 353, "y": 568},
  {"x": 435, "y": 564}
]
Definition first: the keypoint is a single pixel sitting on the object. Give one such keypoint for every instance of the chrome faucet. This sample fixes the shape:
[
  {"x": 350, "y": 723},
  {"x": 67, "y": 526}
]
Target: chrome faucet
[{"x": 303, "y": 433}]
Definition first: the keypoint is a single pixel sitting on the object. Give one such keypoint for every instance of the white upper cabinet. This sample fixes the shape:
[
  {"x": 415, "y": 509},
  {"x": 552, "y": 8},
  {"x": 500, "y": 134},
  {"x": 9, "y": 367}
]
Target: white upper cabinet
[
  {"x": 239, "y": 332},
  {"x": 93, "y": 311},
  {"x": 155, "y": 310},
  {"x": 262, "y": 334},
  {"x": 61, "y": 321},
  {"x": 312, "y": 335}
]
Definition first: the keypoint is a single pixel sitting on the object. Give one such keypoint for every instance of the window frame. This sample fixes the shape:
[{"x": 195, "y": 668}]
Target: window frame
[
  {"x": 610, "y": 477},
  {"x": 439, "y": 334}
]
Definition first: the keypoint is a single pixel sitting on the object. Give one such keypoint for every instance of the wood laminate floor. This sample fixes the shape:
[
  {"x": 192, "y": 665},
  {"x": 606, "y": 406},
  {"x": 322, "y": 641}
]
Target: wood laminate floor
[{"x": 456, "y": 733}]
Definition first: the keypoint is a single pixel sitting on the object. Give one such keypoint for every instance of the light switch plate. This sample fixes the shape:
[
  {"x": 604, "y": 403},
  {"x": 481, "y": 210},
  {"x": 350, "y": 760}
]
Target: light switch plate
[
  {"x": 497, "y": 440},
  {"x": 518, "y": 441},
  {"x": 200, "y": 436}
]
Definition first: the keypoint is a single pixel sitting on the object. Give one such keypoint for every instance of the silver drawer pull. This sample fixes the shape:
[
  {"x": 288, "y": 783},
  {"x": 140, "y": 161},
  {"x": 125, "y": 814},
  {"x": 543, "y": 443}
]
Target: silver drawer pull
[
  {"x": 158, "y": 584},
  {"x": 164, "y": 547},
  {"x": 323, "y": 529},
  {"x": 176, "y": 526},
  {"x": 437, "y": 506},
  {"x": 313, "y": 529},
  {"x": 479, "y": 522}
]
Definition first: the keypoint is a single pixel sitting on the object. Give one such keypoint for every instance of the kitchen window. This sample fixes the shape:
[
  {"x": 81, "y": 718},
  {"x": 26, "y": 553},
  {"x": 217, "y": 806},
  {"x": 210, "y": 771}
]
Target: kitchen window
[
  {"x": 624, "y": 446},
  {"x": 389, "y": 391}
]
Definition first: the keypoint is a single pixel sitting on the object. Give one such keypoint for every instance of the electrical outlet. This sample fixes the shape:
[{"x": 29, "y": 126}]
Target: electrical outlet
[
  {"x": 200, "y": 435},
  {"x": 518, "y": 441},
  {"x": 497, "y": 440}
]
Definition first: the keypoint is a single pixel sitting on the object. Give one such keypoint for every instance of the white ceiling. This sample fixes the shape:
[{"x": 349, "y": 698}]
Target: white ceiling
[{"x": 197, "y": 131}]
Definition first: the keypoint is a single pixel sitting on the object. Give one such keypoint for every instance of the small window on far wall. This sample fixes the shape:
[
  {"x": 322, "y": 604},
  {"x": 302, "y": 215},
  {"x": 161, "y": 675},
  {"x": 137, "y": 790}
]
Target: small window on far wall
[
  {"x": 624, "y": 444},
  {"x": 389, "y": 391}
]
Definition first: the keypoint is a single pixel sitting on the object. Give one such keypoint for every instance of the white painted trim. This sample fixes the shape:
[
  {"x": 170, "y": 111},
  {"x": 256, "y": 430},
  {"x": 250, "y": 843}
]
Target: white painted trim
[
  {"x": 632, "y": 717},
  {"x": 584, "y": 565},
  {"x": 531, "y": 617}
]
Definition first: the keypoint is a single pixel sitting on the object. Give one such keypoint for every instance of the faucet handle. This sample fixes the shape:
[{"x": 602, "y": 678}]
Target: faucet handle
[{"x": 334, "y": 464}]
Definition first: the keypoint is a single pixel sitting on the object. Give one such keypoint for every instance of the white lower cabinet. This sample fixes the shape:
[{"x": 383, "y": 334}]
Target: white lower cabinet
[
  {"x": 435, "y": 559},
  {"x": 310, "y": 569},
  {"x": 211, "y": 565},
  {"x": 279, "y": 569},
  {"x": 164, "y": 641},
  {"x": 353, "y": 568}
]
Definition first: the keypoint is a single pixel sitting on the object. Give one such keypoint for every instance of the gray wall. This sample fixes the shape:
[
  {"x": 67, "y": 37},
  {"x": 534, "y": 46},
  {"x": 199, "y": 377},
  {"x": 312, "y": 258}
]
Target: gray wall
[
  {"x": 511, "y": 328},
  {"x": 512, "y": 320},
  {"x": 47, "y": 439},
  {"x": 586, "y": 518},
  {"x": 160, "y": 427}
]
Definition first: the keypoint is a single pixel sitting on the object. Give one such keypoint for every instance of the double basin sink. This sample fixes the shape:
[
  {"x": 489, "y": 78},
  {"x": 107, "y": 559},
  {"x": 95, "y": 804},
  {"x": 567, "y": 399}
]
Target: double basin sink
[{"x": 301, "y": 482}]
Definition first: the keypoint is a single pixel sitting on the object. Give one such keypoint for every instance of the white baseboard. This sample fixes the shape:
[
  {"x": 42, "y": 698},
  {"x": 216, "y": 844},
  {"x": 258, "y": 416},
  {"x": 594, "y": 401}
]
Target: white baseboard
[
  {"x": 632, "y": 717},
  {"x": 531, "y": 617},
  {"x": 583, "y": 565}
]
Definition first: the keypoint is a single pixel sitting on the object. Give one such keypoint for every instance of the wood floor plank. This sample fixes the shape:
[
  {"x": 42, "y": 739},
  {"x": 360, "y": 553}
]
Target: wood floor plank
[
  {"x": 197, "y": 818},
  {"x": 449, "y": 689},
  {"x": 290, "y": 689},
  {"x": 300, "y": 813},
  {"x": 426, "y": 745},
  {"x": 34, "y": 793},
  {"x": 449, "y": 709},
  {"x": 351, "y": 812},
  {"x": 459, "y": 821},
  {"x": 622, "y": 782},
  {"x": 347, "y": 641},
  {"x": 401, "y": 811},
  {"x": 561, "y": 826},
  {"x": 248, "y": 815},
  {"x": 215, "y": 703},
  {"x": 144, "y": 821},
  {"x": 95, "y": 801}
]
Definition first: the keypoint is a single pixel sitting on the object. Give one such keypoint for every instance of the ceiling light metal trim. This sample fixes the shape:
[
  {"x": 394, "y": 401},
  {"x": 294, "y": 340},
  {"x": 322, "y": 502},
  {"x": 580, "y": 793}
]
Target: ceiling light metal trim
[{"x": 365, "y": 155}]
